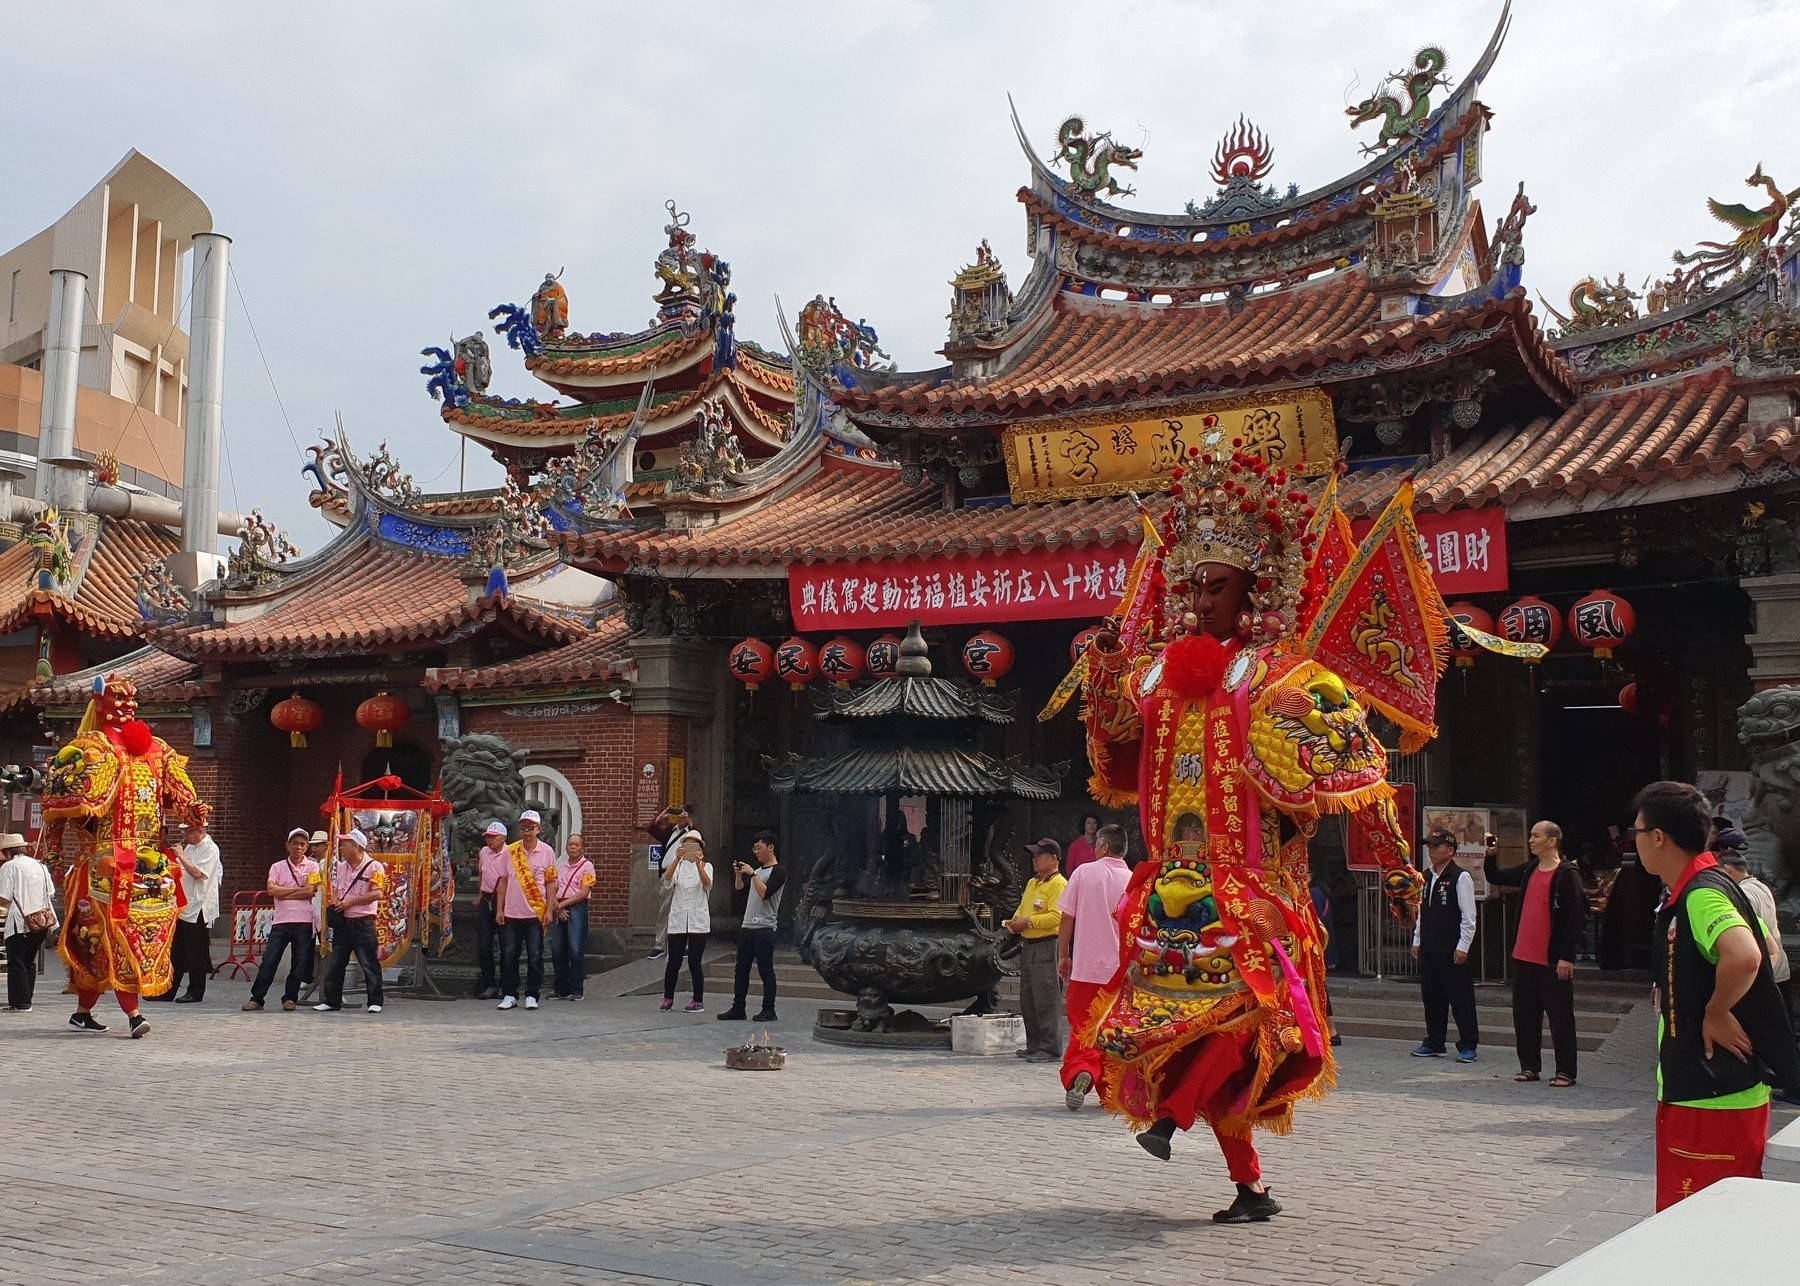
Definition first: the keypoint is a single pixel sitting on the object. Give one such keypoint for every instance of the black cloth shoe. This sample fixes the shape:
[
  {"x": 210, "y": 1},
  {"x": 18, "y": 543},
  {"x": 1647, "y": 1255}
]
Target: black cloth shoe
[
  {"x": 79, "y": 1021},
  {"x": 1250, "y": 1207},
  {"x": 1155, "y": 1140},
  {"x": 732, "y": 1015},
  {"x": 187, "y": 999},
  {"x": 764, "y": 1016},
  {"x": 140, "y": 1026}
]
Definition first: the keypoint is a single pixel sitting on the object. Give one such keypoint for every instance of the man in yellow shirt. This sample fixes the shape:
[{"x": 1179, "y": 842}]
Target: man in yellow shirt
[{"x": 1037, "y": 922}]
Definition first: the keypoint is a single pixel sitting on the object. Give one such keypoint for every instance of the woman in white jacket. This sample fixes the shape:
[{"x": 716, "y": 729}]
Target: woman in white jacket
[{"x": 690, "y": 878}]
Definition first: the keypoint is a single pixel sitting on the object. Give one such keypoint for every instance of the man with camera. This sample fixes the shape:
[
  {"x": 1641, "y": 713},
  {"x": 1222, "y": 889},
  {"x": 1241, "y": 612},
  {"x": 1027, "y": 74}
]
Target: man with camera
[{"x": 756, "y": 935}]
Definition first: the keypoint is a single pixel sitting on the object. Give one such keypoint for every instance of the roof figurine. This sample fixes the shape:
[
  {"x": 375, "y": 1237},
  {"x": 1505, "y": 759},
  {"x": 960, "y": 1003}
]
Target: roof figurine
[
  {"x": 1240, "y": 163},
  {"x": 1595, "y": 304},
  {"x": 979, "y": 299},
  {"x": 1402, "y": 117},
  {"x": 1757, "y": 230},
  {"x": 550, "y": 307},
  {"x": 1091, "y": 158}
]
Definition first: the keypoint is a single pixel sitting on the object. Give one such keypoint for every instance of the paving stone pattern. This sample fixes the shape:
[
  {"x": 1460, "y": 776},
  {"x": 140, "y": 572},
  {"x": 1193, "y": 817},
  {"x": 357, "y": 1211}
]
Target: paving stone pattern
[{"x": 605, "y": 1142}]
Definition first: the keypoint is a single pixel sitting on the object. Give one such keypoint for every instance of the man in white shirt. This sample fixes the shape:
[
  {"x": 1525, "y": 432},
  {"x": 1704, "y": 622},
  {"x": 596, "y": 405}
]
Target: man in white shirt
[
  {"x": 27, "y": 895},
  {"x": 1443, "y": 932},
  {"x": 191, "y": 953}
]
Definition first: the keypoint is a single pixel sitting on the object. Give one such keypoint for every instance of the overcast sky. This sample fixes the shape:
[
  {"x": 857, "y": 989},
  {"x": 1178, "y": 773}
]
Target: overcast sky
[{"x": 390, "y": 171}]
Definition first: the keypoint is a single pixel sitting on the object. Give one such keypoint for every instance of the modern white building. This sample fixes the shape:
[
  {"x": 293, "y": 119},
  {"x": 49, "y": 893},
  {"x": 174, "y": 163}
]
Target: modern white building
[{"x": 129, "y": 236}]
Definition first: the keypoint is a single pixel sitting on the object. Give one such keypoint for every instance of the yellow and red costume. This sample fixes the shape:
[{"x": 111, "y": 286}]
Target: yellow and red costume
[
  {"x": 1233, "y": 750},
  {"x": 123, "y": 892}
]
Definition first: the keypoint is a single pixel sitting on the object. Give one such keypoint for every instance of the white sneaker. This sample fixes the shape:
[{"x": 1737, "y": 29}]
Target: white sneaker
[
  {"x": 374, "y": 1009},
  {"x": 531, "y": 1002},
  {"x": 508, "y": 1003},
  {"x": 323, "y": 1008}
]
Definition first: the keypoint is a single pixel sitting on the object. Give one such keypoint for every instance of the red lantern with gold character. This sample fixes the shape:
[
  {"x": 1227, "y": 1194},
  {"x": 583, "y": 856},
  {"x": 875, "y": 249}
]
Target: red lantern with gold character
[
  {"x": 752, "y": 663},
  {"x": 1628, "y": 698},
  {"x": 883, "y": 657},
  {"x": 988, "y": 657},
  {"x": 1464, "y": 648},
  {"x": 383, "y": 715},
  {"x": 841, "y": 661},
  {"x": 797, "y": 661},
  {"x": 1078, "y": 645},
  {"x": 1601, "y": 621},
  {"x": 1531, "y": 620},
  {"x": 297, "y": 716}
]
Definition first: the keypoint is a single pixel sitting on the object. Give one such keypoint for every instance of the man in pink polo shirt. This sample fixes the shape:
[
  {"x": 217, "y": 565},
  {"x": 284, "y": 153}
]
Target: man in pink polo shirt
[
  {"x": 1087, "y": 953},
  {"x": 294, "y": 884},
  {"x": 357, "y": 884},
  {"x": 523, "y": 901},
  {"x": 487, "y": 924}
]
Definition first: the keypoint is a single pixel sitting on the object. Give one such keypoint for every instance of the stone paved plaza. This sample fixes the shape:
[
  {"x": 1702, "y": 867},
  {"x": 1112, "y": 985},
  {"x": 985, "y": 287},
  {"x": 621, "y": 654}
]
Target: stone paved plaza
[{"x": 606, "y": 1142}]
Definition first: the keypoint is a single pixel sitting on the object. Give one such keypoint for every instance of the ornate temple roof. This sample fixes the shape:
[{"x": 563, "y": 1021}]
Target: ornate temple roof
[
  {"x": 1103, "y": 353},
  {"x": 909, "y": 770},
  {"x": 366, "y": 594},
  {"x": 100, "y": 595},
  {"x": 598, "y": 657},
  {"x": 161, "y": 679},
  {"x": 922, "y": 697}
]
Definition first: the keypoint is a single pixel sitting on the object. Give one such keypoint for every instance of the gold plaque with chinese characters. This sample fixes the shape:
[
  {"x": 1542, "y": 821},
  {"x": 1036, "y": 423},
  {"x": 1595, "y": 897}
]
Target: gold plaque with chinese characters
[{"x": 1095, "y": 456}]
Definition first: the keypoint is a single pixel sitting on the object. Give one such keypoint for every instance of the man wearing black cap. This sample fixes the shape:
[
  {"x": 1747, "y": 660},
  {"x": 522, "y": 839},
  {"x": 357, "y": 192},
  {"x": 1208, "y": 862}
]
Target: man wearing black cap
[
  {"x": 1729, "y": 844},
  {"x": 1037, "y": 922},
  {"x": 1442, "y": 935}
]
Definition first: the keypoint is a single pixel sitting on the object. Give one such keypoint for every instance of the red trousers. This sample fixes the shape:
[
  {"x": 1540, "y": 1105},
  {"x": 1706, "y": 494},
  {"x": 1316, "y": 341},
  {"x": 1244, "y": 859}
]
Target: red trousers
[
  {"x": 128, "y": 1001},
  {"x": 1698, "y": 1146},
  {"x": 1080, "y": 1055}
]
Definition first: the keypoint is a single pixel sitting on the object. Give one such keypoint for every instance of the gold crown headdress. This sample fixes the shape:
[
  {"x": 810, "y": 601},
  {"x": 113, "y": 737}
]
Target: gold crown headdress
[{"x": 1233, "y": 508}]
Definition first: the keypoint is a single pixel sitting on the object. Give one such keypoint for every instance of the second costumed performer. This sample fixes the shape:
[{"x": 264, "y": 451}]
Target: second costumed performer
[{"x": 1229, "y": 700}]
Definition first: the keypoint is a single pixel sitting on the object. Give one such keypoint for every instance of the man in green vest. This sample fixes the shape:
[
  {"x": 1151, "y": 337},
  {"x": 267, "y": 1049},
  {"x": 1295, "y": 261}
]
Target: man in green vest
[{"x": 1723, "y": 1035}]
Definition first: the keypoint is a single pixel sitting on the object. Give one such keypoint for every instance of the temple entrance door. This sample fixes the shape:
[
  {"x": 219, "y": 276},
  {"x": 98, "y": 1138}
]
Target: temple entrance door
[{"x": 411, "y": 764}]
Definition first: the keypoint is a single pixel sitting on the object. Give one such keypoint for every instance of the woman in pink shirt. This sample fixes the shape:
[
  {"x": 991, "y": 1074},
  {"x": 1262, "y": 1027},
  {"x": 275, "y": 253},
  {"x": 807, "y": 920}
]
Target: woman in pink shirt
[{"x": 1081, "y": 848}]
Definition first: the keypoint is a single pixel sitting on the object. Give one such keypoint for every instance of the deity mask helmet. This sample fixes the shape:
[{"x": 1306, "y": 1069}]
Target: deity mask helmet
[
  {"x": 1233, "y": 508},
  {"x": 116, "y": 700}
]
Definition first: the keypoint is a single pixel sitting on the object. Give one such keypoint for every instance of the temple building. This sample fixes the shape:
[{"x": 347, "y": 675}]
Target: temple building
[{"x": 701, "y": 540}]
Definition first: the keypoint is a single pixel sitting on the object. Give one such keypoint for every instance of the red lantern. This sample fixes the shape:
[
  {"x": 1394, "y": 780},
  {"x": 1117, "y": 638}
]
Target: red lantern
[
  {"x": 988, "y": 657},
  {"x": 1628, "y": 698},
  {"x": 1601, "y": 621},
  {"x": 797, "y": 661},
  {"x": 1462, "y": 646},
  {"x": 883, "y": 657},
  {"x": 297, "y": 716},
  {"x": 1531, "y": 620},
  {"x": 383, "y": 715},
  {"x": 1079, "y": 644},
  {"x": 841, "y": 661},
  {"x": 752, "y": 663}
]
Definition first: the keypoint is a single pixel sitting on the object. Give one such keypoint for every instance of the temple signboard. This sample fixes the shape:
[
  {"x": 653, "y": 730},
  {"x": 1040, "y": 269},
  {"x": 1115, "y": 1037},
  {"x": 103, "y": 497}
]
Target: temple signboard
[
  {"x": 1021, "y": 585},
  {"x": 1095, "y": 456},
  {"x": 1465, "y": 549}
]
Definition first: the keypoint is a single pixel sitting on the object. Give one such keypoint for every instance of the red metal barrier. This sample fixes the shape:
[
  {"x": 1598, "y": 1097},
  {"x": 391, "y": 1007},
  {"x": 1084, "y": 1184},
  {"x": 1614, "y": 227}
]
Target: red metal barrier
[{"x": 251, "y": 915}]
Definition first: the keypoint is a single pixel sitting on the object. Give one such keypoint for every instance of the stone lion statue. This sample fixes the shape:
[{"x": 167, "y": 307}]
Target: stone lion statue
[{"x": 1769, "y": 727}]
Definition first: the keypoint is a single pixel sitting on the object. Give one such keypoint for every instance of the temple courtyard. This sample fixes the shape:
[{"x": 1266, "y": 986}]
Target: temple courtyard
[{"x": 606, "y": 1142}]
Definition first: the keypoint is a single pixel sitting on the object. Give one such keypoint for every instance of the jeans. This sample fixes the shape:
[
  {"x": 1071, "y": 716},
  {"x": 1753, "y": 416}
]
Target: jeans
[
  {"x": 353, "y": 935},
  {"x": 191, "y": 953},
  {"x": 755, "y": 946},
  {"x": 529, "y": 934},
  {"x": 487, "y": 943},
  {"x": 21, "y": 966},
  {"x": 689, "y": 947},
  {"x": 568, "y": 951},
  {"x": 297, "y": 940}
]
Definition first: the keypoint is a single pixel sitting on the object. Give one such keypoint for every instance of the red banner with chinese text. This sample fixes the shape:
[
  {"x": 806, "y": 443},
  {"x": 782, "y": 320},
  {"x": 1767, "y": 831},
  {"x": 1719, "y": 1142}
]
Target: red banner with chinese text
[
  {"x": 1359, "y": 856},
  {"x": 1465, "y": 549},
  {"x": 1025, "y": 585}
]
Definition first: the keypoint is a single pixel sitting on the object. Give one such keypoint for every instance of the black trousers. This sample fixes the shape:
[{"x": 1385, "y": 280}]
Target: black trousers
[
  {"x": 1537, "y": 993},
  {"x": 755, "y": 946},
  {"x": 353, "y": 935},
  {"x": 487, "y": 943},
  {"x": 21, "y": 966},
  {"x": 1448, "y": 988},
  {"x": 191, "y": 955},
  {"x": 295, "y": 939},
  {"x": 689, "y": 947},
  {"x": 526, "y": 935}
]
